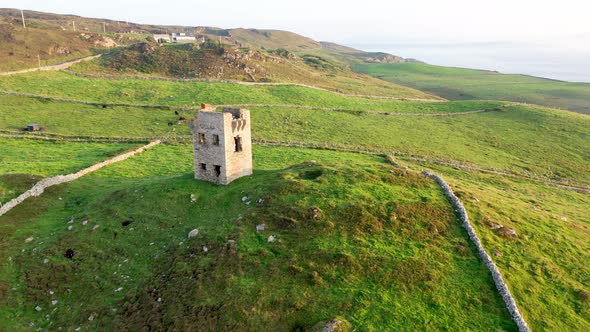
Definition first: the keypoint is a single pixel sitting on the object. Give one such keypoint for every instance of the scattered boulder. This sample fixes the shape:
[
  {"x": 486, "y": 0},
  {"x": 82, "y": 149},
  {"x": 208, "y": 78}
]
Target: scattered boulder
[
  {"x": 193, "y": 198},
  {"x": 271, "y": 239},
  {"x": 260, "y": 228},
  {"x": 563, "y": 218},
  {"x": 507, "y": 232},
  {"x": 495, "y": 226},
  {"x": 315, "y": 213},
  {"x": 337, "y": 324},
  {"x": 193, "y": 233},
  {"x": 29, "y": 239},
  {"x": 497, "y": 253},
  {"x": 474, "y": 198},
  {"x": 38, "y": 308}
]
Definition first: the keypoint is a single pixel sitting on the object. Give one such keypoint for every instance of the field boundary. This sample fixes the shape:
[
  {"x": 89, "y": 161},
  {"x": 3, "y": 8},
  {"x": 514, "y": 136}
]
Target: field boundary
[
  {"x": 40, "y": 186},
  {"x": 83, "y": 139},
  {"x": 95, "y": 103},
  {"x": 564, "y": 184},
  {"x": 196, "y": 108},
  {"x": 485, "y": 257},
  {"x": 337, "y": 109},
  {"x": 208, "y": 80},
  {"x": 59, "y": 66}
]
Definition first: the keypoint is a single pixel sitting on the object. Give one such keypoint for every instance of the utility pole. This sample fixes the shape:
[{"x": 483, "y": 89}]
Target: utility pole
[
  {"x": 22, "y": 14},
  {"x": 74, "y": 25},
  {"x": 39, "y": 58},
  {"x": 104, "y": 27}
]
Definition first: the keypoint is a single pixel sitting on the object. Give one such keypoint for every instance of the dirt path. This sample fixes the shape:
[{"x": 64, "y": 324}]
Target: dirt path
[
  {"x": 60, "y": 66},
  {"x": 207, "y": 80}
]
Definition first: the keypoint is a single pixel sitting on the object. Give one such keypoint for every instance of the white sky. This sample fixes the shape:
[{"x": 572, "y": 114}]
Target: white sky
[{"x": 565, "y": 22}]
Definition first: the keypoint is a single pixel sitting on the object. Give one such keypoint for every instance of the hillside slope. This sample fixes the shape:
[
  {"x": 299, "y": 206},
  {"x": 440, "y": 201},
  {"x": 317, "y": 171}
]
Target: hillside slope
[
  {"x": 214, "y": 61},
  {"x": 27, "y": 48},
  {"x": 353, "y": 239},
  {"x": 461, "y": 84}
]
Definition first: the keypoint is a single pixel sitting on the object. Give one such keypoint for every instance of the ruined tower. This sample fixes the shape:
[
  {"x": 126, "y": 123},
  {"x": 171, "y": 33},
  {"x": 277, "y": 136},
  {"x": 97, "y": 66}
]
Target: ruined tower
[{"x": 222, "y": 144}]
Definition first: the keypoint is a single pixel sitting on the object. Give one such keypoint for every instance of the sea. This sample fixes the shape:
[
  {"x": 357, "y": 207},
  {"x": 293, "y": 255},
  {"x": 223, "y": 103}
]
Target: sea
[{"x": 553, "y": 62}]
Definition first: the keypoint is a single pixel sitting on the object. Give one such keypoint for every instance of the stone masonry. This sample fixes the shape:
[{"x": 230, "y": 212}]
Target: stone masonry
[{"x": 222, "y": 144}]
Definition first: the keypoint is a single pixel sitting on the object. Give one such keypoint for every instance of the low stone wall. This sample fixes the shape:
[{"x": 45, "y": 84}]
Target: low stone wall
[
  {"x": 65, "y": 138},
  {"x": 485, "y": 257},
  {"x": 94, "y": 103},
  {"x": 337, "y": 109},
  {"x": 40, "y": 186}
]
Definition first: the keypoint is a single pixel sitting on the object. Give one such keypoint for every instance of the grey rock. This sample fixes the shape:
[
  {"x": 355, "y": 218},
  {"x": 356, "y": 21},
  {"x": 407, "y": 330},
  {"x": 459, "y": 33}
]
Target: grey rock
[{"x": 193, "y": 233}]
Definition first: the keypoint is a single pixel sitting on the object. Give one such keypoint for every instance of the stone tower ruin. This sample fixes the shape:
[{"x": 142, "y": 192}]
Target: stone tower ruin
[{"x": 222, "y": 144}]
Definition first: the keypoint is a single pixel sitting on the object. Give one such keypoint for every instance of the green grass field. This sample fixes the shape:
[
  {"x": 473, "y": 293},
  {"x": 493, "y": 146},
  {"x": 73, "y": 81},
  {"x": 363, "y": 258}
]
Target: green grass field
[
  {"x": 545, "y": 264},
  {"x": 521, "y": 138},
  {"x": 24, "y": 162},
  {"x": 371, "y": 256},
  {"x": 134, "y": 91},
  {"x": 460, "y": 84}
]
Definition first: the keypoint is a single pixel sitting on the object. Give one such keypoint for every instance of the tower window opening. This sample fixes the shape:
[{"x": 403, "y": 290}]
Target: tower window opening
[
  {"x": 215, "y": 139},
  {"x": 238, "y": 143},
  {"x": 202, "y": 138},
  {"x": 217, "y": 170}
]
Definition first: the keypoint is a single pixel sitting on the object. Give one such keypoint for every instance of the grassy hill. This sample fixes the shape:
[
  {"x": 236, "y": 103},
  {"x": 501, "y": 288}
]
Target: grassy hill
[
  {"x": 520, "y": 138},
  {"x": 359, "y": 234},
  {"x": 224, "y": 62},
  {"x": 149, "y": 274},
  {"x": 23, "y": 48},
  {"x": 462, "y": 84},
  {"x": 355, "y": 193},
  {"x": 161, "y": 92}
]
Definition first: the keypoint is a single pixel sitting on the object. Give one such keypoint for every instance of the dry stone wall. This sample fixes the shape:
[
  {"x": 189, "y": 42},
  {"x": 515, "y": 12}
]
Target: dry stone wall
[
  {"x": 485, "y": 257},
  {"x": 40, "y": 186},
  {"x": 93, "y": 103}
]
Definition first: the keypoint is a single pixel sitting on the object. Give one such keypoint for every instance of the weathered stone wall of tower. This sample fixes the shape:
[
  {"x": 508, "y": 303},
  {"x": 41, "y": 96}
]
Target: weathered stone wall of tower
[
  {"x": 237, "y": 131},
  {"x": 222, "y": 145},
  {"x": 207, "y": 154}
]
